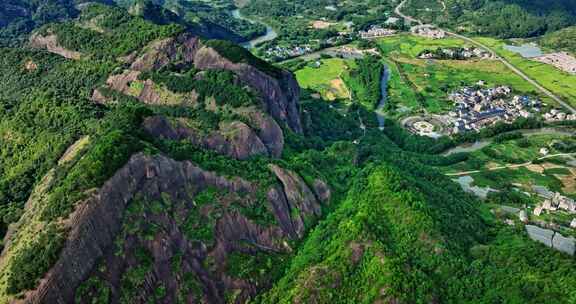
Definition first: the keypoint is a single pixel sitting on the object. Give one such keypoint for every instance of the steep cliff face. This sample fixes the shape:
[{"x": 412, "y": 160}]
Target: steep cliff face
[
  {"x": 165, "y": 229},
  {"x": 234, "y": 139},
  {"x": 279, "y": 93},
  {"x": 50, "y": 43}
]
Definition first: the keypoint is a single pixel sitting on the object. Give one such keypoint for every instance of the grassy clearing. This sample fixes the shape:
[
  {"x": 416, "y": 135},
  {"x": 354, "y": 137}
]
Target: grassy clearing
[
  {"x": 555, "y": 80},
  {"x": 328, "y": 78}
]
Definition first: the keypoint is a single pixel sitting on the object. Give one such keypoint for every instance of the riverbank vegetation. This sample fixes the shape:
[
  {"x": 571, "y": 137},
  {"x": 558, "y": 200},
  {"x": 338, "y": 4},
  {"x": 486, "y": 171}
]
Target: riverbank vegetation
[{"x": 364, "y": 81}]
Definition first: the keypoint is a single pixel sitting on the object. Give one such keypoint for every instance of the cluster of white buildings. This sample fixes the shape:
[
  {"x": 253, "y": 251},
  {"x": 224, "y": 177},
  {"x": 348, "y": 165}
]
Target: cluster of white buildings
[
  {"x": 428, "y": 31},
  {"x": 478, "y": 108},
  {"x": 456, "y": 53},
  {"x": 557, "y": 115},
  {"x": 561, "y": 60},
  {"x": 281, "y": 52},
  {"x": 376, "y": 31},
  {"x": 556, "y": 202}
]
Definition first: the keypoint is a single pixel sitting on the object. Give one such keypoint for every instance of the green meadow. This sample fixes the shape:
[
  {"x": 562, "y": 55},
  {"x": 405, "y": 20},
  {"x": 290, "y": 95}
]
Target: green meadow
[
  {"x": 328, "y": 79},
  {"x": 553, "y": 79}
]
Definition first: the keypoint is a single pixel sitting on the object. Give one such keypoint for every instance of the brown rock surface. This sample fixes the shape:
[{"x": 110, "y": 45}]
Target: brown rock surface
[
  {"x": 298, "y": 197},
  {"x": 97, "y": 221},
  {"x": 235, "y": 139},
  {"x": 280, "y": 95},
  {"x": 50, "y": 43}
]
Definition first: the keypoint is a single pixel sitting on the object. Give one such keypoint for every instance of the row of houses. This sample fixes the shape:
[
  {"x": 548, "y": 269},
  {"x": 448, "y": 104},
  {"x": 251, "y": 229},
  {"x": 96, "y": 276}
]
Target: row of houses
[
  {"x": 476, "y": 108},
  {"x": 557, "y": 115},
  {"x": 428, "y": 31},
  {"x": 455, "y": 53},
  {"x": 287, "y": 52},
  {"x": 376, "y": 31},
  {"x": 553, "y": 201}
]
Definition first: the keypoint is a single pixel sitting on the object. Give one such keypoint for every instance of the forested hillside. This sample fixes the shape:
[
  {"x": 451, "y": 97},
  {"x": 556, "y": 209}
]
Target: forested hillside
[
  {"x": 503, "y": 18},
  {"x": 19, "y": 17},
  {"x": 141, "y": 163},
  {"x": 564, "y": 39}
]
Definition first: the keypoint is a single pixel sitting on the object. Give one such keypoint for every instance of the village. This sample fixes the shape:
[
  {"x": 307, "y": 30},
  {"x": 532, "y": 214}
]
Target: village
[
  {"x": 476, "y": 107},
  {"x": 464, "y": 53}
]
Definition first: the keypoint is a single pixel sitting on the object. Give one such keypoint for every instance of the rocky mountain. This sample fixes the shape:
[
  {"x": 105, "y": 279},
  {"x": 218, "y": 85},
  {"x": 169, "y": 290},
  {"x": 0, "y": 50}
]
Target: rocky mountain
[
  {"x": 152, "y": 226},
  {"x": 140, "y": 163}
]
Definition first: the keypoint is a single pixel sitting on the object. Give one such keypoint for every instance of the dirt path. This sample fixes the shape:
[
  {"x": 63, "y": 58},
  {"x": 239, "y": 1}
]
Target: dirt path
[{"x": 508, "y": 166}]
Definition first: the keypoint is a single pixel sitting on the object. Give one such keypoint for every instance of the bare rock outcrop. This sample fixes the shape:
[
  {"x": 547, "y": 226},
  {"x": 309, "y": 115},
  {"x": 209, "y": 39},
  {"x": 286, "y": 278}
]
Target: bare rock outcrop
[
  {"x": 322, "y": 191},
  {"x": 280, "y": 93},
  {"x": 298, "y": 197},
  {"x": 50, "y": 43},
  {"x": 101, "y": 219},
  {"x": 146, "y": 91},
  {"x": 267, "y": 129},
  {"x": 234, "y": 139}
]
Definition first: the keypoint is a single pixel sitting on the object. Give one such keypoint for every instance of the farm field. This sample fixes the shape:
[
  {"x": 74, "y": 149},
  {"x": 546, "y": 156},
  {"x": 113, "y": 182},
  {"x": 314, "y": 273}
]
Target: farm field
[
  {"x": 328, "y": 79},
  {"x": 432, "y": 80},
  {"x": 556, "y": 173},
  {"x": 555, "y": 80}
]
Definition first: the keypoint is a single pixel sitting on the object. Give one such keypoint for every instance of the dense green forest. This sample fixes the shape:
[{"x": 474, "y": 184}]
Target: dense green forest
[
  {"x": 19, "y": 17},
  {"x": 364, "y": 81},
  {"x": 502, "y": 18},
  {"x": 398, "y": 238},
  {"x": 564, "y": 39}
]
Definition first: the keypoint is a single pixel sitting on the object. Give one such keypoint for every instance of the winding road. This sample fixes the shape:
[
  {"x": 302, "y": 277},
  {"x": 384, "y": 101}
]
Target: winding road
[
  {"x": 545, "y": 91},
  {"x": 508, "y": 166}
]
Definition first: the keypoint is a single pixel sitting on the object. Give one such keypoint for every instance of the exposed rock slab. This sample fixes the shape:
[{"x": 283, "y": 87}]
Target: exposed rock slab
[
  {"x": 552, "y": 239},
  {"x": 280, "y": 95},
  {"x": 541, "y": 235},
  {"x": 299, "y": 198},
  {"x": 50, "y": 43},
  {"x": 564, "y": 244},
  {"x": 97, "y": 221},
  {"x": 234, "y": 139}
]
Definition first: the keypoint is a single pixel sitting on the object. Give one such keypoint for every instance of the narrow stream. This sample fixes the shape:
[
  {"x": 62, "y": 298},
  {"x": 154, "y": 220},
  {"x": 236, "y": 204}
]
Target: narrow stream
[
  {"x": 384, "y": 89},
  {"x": 270, "y": 32}
]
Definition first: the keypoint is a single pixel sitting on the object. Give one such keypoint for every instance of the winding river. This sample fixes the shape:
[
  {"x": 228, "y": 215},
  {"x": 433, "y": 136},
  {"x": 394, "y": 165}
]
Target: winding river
[
  {"x": 270, "y": 32},
  {"x": 485, "y": 142}
]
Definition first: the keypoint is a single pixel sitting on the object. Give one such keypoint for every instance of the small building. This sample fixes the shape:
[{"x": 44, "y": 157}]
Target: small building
[{"x": 523, "y": 216}]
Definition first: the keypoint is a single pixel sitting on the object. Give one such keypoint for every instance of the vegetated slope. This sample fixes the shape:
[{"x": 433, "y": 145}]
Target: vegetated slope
[
  {"x": 564, "y": 39},
  {"x": 142, "y": 163},
  {"x": 114, "y": 217},
  {"x": 210, "y": 19},
  {"x": 503, "y": 18},
  {"x": 19, "y": 17},
  {"x": 390, "y": 241}
]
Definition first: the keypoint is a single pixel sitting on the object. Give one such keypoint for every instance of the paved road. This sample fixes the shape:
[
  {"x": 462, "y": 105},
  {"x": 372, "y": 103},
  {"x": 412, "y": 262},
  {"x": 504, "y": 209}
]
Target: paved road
[
  {"x": 545, "y": 91},
  {"x": 508, "y": 166}
]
